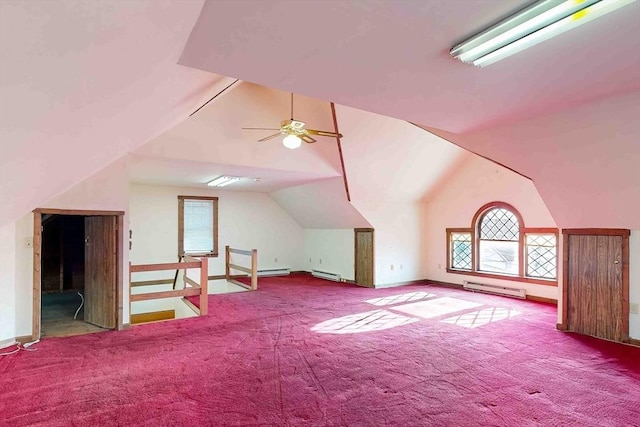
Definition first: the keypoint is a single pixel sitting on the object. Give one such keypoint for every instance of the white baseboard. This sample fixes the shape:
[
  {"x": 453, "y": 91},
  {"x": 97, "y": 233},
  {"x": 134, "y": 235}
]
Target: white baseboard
[
  {"x": 7, "y": 343},
  {"x": 397, "y": 284}
]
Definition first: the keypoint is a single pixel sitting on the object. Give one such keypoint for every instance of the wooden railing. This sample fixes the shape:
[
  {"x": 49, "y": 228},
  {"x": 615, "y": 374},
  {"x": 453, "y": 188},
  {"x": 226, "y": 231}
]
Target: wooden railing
[
  {"x": 252, "y": 272},
  {"x": 191, "y": 287}
]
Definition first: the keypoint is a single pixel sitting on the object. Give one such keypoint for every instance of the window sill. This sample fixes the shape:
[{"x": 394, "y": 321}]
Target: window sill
[
  {"x": 546, "y": 282},
  {"x": 209, "y": 255}
]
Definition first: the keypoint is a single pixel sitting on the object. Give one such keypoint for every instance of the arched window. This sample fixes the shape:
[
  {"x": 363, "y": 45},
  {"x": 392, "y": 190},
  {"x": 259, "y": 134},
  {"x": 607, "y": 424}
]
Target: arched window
[
  {"x": 498, "y": 244},
  {"x": 498, "y": 241}
]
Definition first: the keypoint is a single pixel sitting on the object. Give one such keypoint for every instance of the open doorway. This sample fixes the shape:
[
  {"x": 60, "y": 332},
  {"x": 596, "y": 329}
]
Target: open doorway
[{"x": 77, "y": 272}]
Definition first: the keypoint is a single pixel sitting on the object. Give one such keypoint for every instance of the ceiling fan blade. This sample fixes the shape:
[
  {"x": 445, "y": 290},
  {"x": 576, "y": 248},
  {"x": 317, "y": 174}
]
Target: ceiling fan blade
[
  {"x": 261, "y": 128},
  {"x": 266, "y": 138},
  {"x": 307, "y": 139},
  {"x": 323, "y": 133}
]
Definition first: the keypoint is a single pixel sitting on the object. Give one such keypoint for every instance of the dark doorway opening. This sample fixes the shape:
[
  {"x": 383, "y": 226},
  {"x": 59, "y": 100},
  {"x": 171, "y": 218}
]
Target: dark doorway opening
[{"x": 63, "y": 276}]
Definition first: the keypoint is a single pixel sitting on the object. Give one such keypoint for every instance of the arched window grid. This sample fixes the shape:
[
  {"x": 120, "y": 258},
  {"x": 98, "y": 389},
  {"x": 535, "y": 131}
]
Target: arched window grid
[{"x": 499, "y": 245}]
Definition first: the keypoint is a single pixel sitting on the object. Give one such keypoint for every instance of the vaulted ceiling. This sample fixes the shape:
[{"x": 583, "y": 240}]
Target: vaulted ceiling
[{"x": 84, "y": 83}]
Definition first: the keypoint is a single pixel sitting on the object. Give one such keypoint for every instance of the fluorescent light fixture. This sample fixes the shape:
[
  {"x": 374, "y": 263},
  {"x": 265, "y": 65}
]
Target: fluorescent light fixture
[
  {"x": 292, "y": 141},
  {"x": 530, "y": 26},
  {"x": 222, "y": 181}
]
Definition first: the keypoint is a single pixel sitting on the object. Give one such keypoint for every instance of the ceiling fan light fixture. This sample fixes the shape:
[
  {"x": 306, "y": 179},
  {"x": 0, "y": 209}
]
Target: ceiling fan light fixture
[
  {"x": 541, "y": 21},
  {"x": 223, "y": 181},
  {"x": 292, "y": 141}
]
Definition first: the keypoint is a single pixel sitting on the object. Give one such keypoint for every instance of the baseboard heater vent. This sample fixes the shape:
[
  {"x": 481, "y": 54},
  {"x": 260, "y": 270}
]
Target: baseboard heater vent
[
  {"x": 325, "y": 275},
  {"x": 495, "y": 289},
  {"x": 274, "y": 272}
]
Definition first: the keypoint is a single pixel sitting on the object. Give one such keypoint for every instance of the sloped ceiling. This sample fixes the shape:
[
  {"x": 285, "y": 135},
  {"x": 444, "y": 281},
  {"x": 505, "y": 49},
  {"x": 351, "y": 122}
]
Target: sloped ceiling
[
  {"x": 392, "y": 57},
  {"x": 82, "y": 83},
  {"x": 390, "y": 159},
  {"x": 321, "y": 204},
  {"x": 588, "y": 175},
  {"x": 215, "y": 135}
]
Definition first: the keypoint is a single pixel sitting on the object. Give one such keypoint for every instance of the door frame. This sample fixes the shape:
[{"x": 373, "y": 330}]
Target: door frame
[
  {"x": 355, "y": 256},
  {"x": 624, "y": 233},
  {"x": 37, "y": 254}
]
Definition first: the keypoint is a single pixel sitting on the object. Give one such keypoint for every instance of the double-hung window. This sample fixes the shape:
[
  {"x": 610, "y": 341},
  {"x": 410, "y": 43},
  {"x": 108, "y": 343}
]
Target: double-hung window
[
  {"x": 499, "y": 245},
  {"x": 198, "y": 226}
]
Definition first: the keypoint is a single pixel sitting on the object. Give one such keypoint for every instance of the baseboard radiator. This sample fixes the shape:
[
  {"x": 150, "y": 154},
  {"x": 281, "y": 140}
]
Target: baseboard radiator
[
  {"x": 274, "y": 272},
  {"x": 495, "y": 289},
  {"x": 325, "y": 275}
]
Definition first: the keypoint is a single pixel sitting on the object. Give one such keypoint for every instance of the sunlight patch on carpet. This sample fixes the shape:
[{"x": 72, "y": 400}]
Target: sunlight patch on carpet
[
  {"x": 483, "y": 317},
  {"x": 397, "y": 299},
  {"x": 436, "y": 307},
  {"x": 376, "y": 320}
]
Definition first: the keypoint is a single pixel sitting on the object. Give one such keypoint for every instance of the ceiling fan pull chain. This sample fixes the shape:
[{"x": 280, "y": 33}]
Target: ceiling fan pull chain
[{"x": 292, "y": 106}]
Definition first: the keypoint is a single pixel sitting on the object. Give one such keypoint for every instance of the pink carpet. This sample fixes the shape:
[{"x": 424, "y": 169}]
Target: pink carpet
[{"x": 306, "y": 352}]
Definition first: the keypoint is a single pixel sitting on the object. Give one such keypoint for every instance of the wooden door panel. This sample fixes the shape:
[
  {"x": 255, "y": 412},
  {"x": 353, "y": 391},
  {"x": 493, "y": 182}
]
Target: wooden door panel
[
  {"x": 582, "y": 271},
  {"x": 100, "y": 271},
  {"x": 588, "y": 305},
  {"x": 616, "y": 289},
  {"x": 364, "y": 263},
  {"x": 595, "y": 285},
  {"x": 609, "y": 297}
]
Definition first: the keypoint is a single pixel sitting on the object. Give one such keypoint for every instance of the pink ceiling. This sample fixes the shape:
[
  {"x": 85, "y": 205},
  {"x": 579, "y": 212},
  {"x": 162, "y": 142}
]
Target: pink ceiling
[
  {"x": 195, "y": 174},
  {"x": 320, "y": 204},
  {"x": 391, "y": 159},
  {"x": 564, "y": 113},
  {"x": 82, "y": 83},
  {"x": 215, "y": 135},
  {"x": 587, "y": 174},
  {"x": 392, "y": 58}
]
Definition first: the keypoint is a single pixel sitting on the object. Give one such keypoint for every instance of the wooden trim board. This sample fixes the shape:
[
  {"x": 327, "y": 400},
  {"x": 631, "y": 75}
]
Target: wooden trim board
[
  {"x": 77, "y": 212},
  {"x": 153, "y": 316},
  {"x": 152, "y": 282}
]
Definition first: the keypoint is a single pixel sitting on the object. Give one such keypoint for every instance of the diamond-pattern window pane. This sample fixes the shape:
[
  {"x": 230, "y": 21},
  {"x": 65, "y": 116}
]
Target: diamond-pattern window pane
[
  {"x": 541, "y": 256},
  {"x": 461, "y": 251},
  {"x": 499, "y": 224}
]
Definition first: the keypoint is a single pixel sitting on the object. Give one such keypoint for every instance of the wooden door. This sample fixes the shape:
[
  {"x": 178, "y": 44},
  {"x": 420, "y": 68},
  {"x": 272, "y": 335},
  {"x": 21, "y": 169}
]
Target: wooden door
[
  {"x": 596, "y": 289},
  {"x": 364, "y": 257},
  {"x": 100, "y": 271}
]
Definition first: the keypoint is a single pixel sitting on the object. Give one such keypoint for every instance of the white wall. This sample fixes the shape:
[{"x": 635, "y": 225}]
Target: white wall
[
  {"x": 245, "y": 221},
  {"x": 330, "y": 250},
  {"x": 105, "y": 190},
  {"x": 7, "y": 283},
  {"x": 477, "y": 182},
  {"x": 396, "y": 239}
]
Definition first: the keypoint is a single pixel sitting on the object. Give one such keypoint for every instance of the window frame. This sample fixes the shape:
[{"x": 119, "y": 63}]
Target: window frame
[
  {"x": 181, "y": 200},
  {"x": 522, "y": 247}
]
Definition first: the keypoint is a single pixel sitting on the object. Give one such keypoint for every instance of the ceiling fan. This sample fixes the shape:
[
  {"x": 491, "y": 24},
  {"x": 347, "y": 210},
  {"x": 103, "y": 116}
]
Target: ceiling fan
[{"x": 294, "y": 132}]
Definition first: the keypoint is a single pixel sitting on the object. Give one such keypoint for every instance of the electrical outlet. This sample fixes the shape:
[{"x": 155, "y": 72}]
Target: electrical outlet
[
  {"x": 439, "y": 266},
  {"x": 320, "y": 260},
  {"x": 309, "y": 259},
  {"x": 276, "y": 260},
  {"x": 633, "y": 308},
  {"x": 401, "y": 267},
  {"x": 391, "y": 266}
]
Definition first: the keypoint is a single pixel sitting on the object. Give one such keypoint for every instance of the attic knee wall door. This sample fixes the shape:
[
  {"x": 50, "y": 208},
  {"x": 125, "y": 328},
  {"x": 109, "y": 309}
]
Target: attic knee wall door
[
  {"x": 597, "y": 292},
  {"x": 364, "y": 264},
  {"x": 100, "y": 271}
]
